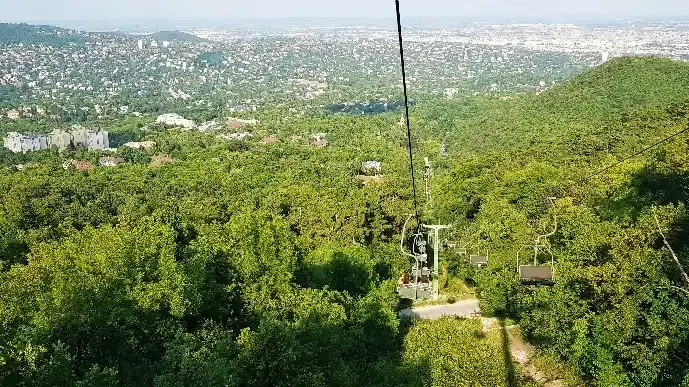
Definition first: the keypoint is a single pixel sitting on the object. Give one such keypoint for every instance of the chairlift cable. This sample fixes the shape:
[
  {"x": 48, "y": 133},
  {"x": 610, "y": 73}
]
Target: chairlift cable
[
  {"x": 640, "y": 152},
  {"x": 406, "y": 113},
  {"x": 567, "y": 190}
]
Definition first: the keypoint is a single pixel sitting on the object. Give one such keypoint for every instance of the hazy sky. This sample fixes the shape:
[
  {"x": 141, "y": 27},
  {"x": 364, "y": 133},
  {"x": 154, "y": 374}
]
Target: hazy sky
[{"x": 56, "y": 10}]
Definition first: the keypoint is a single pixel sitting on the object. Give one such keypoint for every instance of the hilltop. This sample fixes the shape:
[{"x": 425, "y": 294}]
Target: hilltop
[
  {"x": 38, "y": 34},
  {"x": 177, "y": 36},
  {"x": 620, "y": 85},
  {"x": 48, "y": 35},
  {"x": 601, "y": 102}
]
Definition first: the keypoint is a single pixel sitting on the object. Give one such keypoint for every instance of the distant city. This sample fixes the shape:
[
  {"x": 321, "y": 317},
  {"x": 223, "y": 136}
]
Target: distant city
[{"x": 255, "y": 64}]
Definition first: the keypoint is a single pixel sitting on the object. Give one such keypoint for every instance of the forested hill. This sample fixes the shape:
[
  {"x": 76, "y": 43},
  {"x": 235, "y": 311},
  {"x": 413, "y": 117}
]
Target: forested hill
[
  {"x": 37, "y": 34},
  {"x": 594, "y": 109},
  {"x": 47, "y": 35},
  {"x": 619, "y": 87},
  {"x": 176, "y": 35}
]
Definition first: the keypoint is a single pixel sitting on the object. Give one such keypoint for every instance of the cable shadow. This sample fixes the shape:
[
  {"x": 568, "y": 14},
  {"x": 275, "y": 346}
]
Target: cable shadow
[{"x": 511, "y": 372}]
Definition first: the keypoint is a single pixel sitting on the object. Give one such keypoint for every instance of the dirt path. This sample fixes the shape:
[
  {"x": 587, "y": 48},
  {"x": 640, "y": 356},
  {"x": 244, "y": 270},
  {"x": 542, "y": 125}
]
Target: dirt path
[
  {"x": 464, "y": 308},
  {"x": 522, "y": 353}
]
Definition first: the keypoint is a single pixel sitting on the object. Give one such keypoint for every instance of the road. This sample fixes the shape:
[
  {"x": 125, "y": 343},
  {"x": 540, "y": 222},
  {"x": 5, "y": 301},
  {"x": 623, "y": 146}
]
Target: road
[{"x": 464, "y": 308}]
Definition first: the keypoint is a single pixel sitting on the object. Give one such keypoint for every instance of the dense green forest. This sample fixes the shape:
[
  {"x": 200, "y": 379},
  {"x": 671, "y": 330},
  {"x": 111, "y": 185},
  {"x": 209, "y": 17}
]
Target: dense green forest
[{"x": 252, "y": 264}]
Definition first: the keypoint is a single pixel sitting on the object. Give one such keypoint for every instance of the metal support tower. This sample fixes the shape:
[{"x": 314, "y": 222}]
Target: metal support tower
[{"x": 435, "y": 228}]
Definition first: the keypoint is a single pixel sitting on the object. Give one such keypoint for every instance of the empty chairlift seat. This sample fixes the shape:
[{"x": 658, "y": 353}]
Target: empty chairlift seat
[
  {"x": 478, "y": 260},
  {"x": 536, "y": 275}
]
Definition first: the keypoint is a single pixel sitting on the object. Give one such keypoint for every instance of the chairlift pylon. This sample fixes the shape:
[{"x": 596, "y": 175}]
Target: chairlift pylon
[
  {"x": 538, "y": 274},
  {"x": 421, "y": 282},
  {"x": 417, "y": 283}
]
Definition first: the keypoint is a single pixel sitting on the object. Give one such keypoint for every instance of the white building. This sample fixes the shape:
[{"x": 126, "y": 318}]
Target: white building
[
  {"x": 25, "y": 142},
  {"x": 140, "y": 44},
  {"x": 166, "y": 44},
  {"x": 33, "y": 142},
  {"x": 154, "y": 43},
  {"x": 13, "y": 114},
  {"x": 174, "y": 119},
  {"x": 235, "y": 136},
  {"x": 110, "y": 161},
  {"x": 232, "y": 121},
  {"x": 59, "y": 139},
  {"x": 97, "y": 140},
  {"x": 138, "y": 145},
  {"x": 371, "y": 167},
  {"x": 90, "y": 139},
  {"x": 13, "y": 142},
  {"x": 209, "y": 126}
]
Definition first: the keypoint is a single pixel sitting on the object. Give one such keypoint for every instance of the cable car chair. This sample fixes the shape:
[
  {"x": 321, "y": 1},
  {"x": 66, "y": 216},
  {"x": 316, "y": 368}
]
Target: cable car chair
[
  {"x": 539, "y": 275},
  {"x": 478, "y": 261},
  {"x": 417, "y": 283}
]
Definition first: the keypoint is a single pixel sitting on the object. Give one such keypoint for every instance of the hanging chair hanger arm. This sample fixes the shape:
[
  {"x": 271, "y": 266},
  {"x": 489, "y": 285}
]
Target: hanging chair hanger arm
[
  {"x": 404, "y": 229},
  {"x": 552, "y": 203}
]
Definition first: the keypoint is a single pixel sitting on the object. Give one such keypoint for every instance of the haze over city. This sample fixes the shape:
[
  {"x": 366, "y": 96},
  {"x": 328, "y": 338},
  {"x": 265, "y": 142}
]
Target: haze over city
[{"x": 79, "y": 10}]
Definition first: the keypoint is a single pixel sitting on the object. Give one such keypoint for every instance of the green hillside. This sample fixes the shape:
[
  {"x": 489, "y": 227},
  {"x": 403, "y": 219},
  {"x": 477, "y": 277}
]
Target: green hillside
[
  {"x": 596, "y": 109},
  {"x": 37, "y": 34},
  {"x": 241, "y": 263},
  {"x": 613, "y": 315},
  {"x": 620, "y": 86},
  {"x": 176, "y": 36}
]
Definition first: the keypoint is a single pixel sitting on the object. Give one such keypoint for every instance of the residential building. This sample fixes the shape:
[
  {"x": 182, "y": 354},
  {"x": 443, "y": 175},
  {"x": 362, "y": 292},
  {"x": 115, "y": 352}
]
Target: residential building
[
  {"x": 110, "y": 161},
  {"x": 34, "y": 142},
  {"x": 13, "y": 114},
  {"x": 235, "y": 136},
  {"x": 159, "y": 161},
  {"x": 208, "y": 126},
  {"x": 371, "y": 167},
  {"x": 142, "y": 144},
  {"x": 173, "y": 119},
  {"x": 269, "y": 140},
  {"x": 13, "y": 142},
  {"x": 79, "y": 136},
  {"x": 370, "y": 179},
  {"x": 83, "y": 165},
  {"x": 90, "y": 139},
  {"x": 59, "y": 139},
  {"x": 25, "y": 142},
  {"x": 235, "y": 123},
  {"x": 97, "y": 140},
  {"x": 321, "y": 143}
]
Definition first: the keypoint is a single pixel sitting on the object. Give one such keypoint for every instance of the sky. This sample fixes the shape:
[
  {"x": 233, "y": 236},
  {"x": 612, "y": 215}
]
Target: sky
[{"x": 180, "y": 10}]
